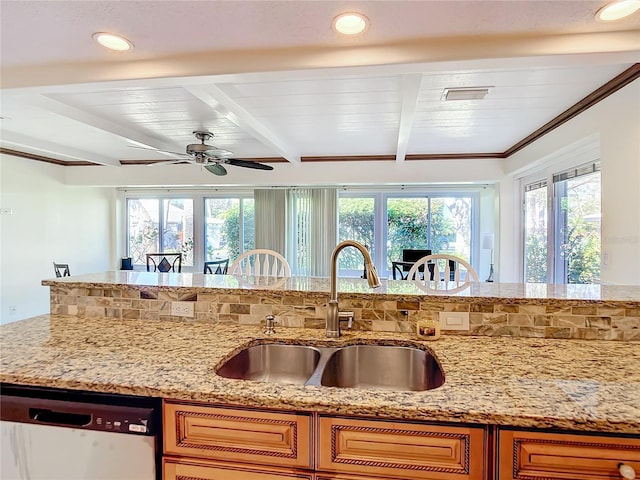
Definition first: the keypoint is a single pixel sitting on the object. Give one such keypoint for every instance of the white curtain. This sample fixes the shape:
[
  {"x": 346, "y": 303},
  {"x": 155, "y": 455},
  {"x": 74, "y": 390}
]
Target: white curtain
[
  {"x": 311, "y": 230},
  {"x": 270, "y": 219}
]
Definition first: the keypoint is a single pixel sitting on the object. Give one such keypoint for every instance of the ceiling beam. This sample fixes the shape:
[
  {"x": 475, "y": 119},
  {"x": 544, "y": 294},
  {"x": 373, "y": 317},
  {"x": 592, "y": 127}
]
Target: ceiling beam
[
  {"x": 218, "y": 100},
  {"x": 410, "y": 91},
  {"x": 127, "y": 131},
  {"x": 30, "y": 144}
]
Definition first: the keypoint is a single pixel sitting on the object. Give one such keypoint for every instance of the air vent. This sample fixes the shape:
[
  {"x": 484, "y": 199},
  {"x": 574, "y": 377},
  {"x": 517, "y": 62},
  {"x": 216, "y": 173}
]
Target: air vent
[{"x": 475, "y": 93}]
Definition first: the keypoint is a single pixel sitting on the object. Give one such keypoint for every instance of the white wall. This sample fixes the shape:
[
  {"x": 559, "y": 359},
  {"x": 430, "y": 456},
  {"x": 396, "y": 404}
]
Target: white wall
[
  {"x": 616, "y": 121},
  {"x": 50, "y": 221}
]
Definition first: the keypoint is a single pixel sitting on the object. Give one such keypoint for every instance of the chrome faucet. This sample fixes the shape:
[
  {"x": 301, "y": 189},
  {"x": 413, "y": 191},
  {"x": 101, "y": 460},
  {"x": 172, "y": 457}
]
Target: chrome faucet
[{"x": 333, "y": 314}]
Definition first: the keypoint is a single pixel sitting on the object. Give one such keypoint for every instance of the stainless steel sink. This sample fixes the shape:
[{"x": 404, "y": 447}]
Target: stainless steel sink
[
  {"x": 382, "y": 367},
  {"x": 388, "y": 367},
  {"x": 277, "y": 363}
]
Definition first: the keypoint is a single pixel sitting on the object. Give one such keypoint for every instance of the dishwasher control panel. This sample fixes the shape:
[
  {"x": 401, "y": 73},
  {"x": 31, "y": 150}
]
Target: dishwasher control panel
[{"x": 88, "y": 416}]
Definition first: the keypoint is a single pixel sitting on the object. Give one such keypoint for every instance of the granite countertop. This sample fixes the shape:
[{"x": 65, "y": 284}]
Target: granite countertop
[
  {"x": 197, "y": 282},
  {"x": 567, "y": 384}
]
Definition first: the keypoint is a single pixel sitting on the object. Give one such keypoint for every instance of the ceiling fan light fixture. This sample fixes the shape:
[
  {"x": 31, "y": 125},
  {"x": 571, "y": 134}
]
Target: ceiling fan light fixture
[
  {"x": 113, "y": 42},
  {"x": 350, "y": 23},
  {"x": 474, "y": 93},
  {"x": 618, "y": 10}
]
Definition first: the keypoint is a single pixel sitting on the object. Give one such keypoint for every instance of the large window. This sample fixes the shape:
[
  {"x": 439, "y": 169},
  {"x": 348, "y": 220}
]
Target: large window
[
  {"x": 201, "y": 227},
  {"x": 562, "y": 239},
  {"x": 160, "y": 225},
  {"x": 391, "y": 222}
]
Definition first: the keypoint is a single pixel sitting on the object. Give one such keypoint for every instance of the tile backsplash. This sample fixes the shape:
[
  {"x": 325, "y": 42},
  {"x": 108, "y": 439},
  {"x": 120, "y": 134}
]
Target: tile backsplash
[{"x": 544, "y": 318}]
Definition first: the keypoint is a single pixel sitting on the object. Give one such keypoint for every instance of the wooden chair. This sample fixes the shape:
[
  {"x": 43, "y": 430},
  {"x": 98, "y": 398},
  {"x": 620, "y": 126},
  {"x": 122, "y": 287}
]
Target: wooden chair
[
  {"x": 446, "y": 273},
  {"x": 61, "y": 269},
  {"x": 218, "y": 267},
  {"x": 164, "y": 262},
  {"x": 261, "y": 262}
]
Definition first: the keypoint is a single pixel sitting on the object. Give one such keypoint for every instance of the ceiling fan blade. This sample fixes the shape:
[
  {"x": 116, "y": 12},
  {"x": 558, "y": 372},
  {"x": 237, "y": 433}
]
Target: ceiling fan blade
[
  {"x": 247, "y": 164},
  {"x": 161, "y": 151},
  {"x": 216, "y": 169}
]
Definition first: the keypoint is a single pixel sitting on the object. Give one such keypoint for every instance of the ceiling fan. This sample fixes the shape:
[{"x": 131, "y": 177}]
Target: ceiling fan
[{"x": 210, "y": 157}]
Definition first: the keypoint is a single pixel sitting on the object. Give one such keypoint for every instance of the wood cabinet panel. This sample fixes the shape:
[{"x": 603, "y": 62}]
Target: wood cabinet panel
[
  {"x": 524, "y": 455},
  {"x": 400, "y": 450},
  {"x": 174, "y": 469},
  {"x": 237, "y": 435}
]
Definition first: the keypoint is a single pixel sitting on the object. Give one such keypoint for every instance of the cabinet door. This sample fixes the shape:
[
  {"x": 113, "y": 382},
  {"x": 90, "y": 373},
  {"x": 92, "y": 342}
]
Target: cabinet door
[
  {"x": 179, "y": 469},
  {"x": 236, "y": 435},
  {"x": 401, "y": 450},
  {"x": 524, "y": 455}
]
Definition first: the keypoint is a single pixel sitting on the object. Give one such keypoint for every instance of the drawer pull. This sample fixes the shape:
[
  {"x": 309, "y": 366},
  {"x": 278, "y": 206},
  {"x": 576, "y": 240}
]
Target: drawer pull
[{"x": 627, "y": 471}]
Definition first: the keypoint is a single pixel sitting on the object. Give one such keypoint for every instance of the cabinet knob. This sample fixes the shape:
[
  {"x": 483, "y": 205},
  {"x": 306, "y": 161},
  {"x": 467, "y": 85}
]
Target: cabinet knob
[{"x": 627, "y": 471}]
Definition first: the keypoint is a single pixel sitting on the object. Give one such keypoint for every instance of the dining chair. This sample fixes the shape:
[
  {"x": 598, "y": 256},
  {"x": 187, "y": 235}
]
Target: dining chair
[
  {"x": 261, "y": 262},
  {"x": 61, "y": 269},
  {"x": 446, "y": 272},
  {"x": 218, "y": 267},
  {"x": 164, "y": 262}
]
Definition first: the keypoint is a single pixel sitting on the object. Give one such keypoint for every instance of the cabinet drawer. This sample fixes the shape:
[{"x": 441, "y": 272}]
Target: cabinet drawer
[
  {"x": 541, "y": 455},
  {"x": 174, "y": 469},
  {"x": 230, "y": 434},
  {"x": 400, "y": 450}
]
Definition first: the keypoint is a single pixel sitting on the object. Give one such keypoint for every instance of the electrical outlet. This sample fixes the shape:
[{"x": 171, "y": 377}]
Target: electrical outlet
[
  {"x": 182, "y": 309},
  {"x": 13, "y": 310},
  {"x": 454, "y": 321}
]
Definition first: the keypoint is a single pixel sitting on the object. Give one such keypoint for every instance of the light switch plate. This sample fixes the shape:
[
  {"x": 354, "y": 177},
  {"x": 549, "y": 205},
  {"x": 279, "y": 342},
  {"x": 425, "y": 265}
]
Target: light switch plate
[
  {"x": 454, "y": 321},
  {"x": 182, "y": 309}
]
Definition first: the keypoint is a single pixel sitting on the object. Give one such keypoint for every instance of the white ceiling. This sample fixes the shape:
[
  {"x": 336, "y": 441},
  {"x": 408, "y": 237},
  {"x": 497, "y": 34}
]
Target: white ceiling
[{"x": 272, "y": 79}]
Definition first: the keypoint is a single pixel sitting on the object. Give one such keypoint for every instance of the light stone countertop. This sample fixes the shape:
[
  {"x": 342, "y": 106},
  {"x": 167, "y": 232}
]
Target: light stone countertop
[
  {"x": 567, "y": 384},
  {"x": 197, "y": 282}
]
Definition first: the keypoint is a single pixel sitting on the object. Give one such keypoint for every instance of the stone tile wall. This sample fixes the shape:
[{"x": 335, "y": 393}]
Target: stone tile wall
[{"x": 511, "y": 317}]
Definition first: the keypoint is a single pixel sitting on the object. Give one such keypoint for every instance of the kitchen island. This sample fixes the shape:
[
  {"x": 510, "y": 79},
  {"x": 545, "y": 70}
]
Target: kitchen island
[{"x": 524, "y": 374}]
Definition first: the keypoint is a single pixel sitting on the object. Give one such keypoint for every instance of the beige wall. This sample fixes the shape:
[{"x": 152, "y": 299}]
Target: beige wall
[{"x": 50, "y": 221}]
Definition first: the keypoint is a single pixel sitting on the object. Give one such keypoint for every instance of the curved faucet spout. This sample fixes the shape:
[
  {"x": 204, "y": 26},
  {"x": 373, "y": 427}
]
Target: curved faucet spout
[{"x": 333, "y": 322}]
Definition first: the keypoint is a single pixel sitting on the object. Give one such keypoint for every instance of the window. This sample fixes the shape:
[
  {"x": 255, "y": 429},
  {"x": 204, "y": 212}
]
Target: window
[
  {"x": 356, "y": 219},
  {"x": 159, "y": 225},
  {"x": 390, "y": 222},
  {"x": 535, "y": 232},
  {"x": 577, "y": 225},
  {"x": 229, "y": 227},
  {"x": 562, "y": 239}
]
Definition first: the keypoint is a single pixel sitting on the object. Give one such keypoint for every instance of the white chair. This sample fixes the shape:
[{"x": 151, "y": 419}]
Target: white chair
[
  {"x": 261, "y": 262},
  {"x": 443, "y": 272}
]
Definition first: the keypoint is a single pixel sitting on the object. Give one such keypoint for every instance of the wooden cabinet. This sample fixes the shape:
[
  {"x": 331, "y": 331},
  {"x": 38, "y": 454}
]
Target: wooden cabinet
[
  {"x": 184, "y": 469},
  {"x": 531, "y": 455},
  {"x": 400, "y": 450},
  {"x": 237, "y": 435}
]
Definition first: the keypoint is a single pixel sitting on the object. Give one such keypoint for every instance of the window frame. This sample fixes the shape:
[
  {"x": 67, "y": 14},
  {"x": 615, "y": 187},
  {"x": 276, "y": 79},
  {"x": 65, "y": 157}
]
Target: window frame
[
  {"x": 123, "y": 196},
  {"x": 380, "y": 230}
]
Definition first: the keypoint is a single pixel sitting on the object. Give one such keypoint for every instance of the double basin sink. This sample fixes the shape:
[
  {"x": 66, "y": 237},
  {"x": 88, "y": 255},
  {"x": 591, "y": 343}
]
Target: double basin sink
[{"x": 389, "y": 367}]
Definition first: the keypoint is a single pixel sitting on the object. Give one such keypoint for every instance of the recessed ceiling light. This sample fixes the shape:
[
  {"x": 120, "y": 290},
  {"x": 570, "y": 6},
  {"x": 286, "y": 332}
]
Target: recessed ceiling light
[
  {"x": 113, "y": 42},
  {"x": 350, "y": 23},
  {"x": 618, "y": 10},
  {"x": 474, "y": 93}
]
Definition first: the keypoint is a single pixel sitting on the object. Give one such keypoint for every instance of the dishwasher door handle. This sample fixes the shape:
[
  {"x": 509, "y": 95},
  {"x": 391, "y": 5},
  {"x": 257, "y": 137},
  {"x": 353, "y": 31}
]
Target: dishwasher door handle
[{"x": 43, "y": 415}]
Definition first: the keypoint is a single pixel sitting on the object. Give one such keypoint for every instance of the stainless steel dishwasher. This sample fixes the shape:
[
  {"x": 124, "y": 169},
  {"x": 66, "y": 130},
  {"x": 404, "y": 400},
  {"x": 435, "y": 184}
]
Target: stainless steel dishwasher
[{"x": 51, "y": 434}]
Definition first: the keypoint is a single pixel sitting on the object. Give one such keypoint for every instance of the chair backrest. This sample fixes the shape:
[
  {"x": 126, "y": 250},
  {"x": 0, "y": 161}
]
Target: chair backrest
[
  {"x": 218, "y": 267},
  {"x": 446, "y": 272},
  {"x": 61, "y": 269},
  {"x": 413, "y": 255},
  {"x": 261, "y": 262},
  {"x": 164, "y": 262}
]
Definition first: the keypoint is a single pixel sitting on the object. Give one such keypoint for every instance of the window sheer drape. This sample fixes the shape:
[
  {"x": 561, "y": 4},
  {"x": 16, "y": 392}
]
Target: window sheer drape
[
  {"x": 301, "y": 224},
  {"x": 270, "y": 219}
]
